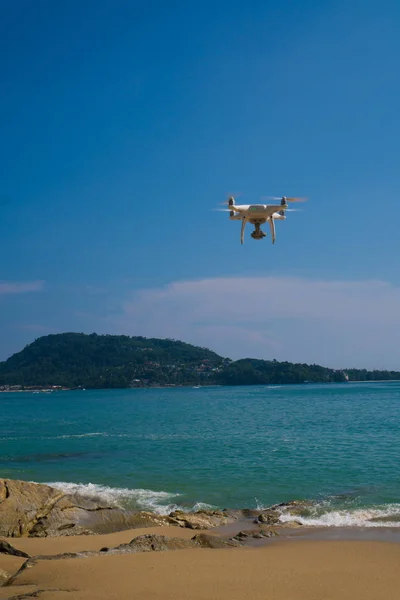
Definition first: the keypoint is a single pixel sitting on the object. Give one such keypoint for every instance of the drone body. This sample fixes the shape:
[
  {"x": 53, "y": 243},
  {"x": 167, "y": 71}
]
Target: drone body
[{"x": 258, "y": 214}]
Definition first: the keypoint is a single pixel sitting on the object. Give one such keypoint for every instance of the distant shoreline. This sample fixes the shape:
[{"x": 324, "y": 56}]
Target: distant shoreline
[
  {"x": 75, "y": 360},
  {"x": 53, "y": 389}
]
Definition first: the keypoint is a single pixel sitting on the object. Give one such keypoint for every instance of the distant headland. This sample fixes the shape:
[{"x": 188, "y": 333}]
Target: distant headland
[{"x": 68, "y": 361}]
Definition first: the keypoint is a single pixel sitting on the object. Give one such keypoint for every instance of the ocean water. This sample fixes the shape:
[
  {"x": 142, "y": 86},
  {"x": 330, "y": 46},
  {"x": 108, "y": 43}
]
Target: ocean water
[{"x": 224, "y": 447}]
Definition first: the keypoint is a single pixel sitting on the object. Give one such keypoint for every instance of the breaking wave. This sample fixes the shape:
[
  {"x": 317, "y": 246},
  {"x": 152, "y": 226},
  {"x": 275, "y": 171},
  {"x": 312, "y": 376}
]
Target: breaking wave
[
  {"x": 158, "y": 502},
  {"x": 318, "y": 514},
  {"x": 387, "y": 515}
]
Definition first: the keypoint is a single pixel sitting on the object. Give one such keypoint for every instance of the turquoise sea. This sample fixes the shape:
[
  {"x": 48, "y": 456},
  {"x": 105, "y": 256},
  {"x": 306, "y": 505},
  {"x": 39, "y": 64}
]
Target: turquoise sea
[{"x": 158, "y": 449}]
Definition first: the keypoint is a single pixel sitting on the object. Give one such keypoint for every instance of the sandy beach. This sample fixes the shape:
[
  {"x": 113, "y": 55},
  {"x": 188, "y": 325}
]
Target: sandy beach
[{"x": 290, "y": 569}]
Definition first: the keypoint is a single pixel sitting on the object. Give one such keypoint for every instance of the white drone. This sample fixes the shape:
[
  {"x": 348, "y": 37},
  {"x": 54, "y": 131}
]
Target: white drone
[{"x": 257, "y": 214}]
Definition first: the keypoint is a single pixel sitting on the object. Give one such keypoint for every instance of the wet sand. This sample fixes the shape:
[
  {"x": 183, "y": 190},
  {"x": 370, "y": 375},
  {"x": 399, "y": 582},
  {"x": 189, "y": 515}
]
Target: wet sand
[{"x": 284, "y": 568}]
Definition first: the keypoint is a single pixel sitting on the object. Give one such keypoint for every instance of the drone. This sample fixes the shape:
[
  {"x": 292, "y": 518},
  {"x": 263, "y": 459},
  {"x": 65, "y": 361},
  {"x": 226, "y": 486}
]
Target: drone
[{"x": 258, "y": 214}]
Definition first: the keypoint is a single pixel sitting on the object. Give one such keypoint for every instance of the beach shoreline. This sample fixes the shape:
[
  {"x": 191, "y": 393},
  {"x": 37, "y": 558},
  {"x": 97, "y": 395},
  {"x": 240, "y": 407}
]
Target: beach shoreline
[
  {"x": 204, "y": 554},
  {"x": 284, "y": 568}
]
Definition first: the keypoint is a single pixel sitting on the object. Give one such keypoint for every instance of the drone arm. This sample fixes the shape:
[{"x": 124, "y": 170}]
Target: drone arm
[
  {"x": 272, "y": 228},
  {"x": 242, "y": 231}
]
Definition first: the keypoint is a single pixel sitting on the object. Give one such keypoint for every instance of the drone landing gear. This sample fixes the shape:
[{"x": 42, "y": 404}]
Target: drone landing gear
[{"x": 258, "y": 234}]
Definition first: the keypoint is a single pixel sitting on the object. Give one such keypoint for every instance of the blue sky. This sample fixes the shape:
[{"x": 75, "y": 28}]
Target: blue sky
[{"x": 123, "y": 126}]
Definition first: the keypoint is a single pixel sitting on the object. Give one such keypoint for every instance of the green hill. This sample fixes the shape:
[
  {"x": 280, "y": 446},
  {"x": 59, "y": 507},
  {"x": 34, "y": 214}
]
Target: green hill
[
  {"x": 117, "y": 361},
  {"x": 107, "y": 361}
]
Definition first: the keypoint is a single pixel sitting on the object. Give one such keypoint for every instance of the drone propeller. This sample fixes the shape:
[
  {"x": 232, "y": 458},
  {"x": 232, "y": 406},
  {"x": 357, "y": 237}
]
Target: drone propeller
[
  {"x": 234, "y": 209},
  {"x": 292, "y": 199},
  {"x": 226, "y": 203},
  {"x": 233, "y": 195}
]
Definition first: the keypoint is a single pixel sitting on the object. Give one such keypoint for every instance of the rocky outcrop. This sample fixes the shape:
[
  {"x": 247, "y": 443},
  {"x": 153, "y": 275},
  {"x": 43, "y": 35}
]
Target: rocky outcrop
[
  {"x": 268, "y": 517},
  {"x": 38, "y": 510},
  {"x": 294, "y": 507},
  {"x": 202, "y": 519},
  {"x": 141, "y": 543},
  {"x": 161, "y": 543},
  {"x": 149, "y": 543},
  {"x": 6, "y": 548},
  {"x": 22, "y": 504}
]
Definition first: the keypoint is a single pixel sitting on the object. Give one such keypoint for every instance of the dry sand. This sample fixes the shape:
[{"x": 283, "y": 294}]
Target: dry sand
[{"x": 281, "y": 570}]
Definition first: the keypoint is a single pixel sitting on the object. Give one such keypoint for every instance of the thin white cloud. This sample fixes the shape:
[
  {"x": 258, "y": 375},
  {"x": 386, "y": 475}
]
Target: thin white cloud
[
  {"x": 11, "y": 287},
  {"x": 334, "y": 323}
]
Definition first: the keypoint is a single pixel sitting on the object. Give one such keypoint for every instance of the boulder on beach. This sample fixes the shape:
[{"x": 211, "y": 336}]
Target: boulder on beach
[
  {"x": 38, "y": 510},
  {"x": 202, "y": 519}
]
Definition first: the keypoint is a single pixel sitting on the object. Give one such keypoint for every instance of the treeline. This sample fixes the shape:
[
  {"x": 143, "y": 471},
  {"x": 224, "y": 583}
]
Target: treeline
[
  {"x": 364, "y": 375},
  {"x": 116, "y": 361},
  {"x": 251, "y": 371}
]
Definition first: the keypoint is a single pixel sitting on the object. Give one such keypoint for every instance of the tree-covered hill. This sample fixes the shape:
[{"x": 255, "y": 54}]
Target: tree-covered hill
[
  {"x": 106, "y": 361},
  {"x": 74, "y": 360}
]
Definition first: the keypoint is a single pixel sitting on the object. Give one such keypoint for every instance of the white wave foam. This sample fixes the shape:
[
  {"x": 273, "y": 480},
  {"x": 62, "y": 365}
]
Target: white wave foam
[
  {"x": 60, "y": 437},
  {"x": 202, "y": 506},
  {"x": 360, "y": 517},
  {"x": 80, "y": 435},
  {"x": 158, "y": 502}
]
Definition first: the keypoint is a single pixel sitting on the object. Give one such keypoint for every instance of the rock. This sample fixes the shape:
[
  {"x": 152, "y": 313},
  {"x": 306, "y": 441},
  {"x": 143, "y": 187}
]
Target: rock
[
  {"x": 292, "y": 524},
  {"x": 249, "y": 513},
  {"x": 299, "y": 511},
  {"x": 150, "y": 543},
  {"x": 386, "y": 519},
  {"x": 38, "y": 510},
  {"x": 246, "y": 537},
  {"x": 241, "y": 514},
  {"x": 23, "y": 504},
  {"x": 294, "y": 507},
  {"x": 202, "y": 519},
  {"x": 6, "y": 548},
  {"x": 269, "y": 517},
  {"x": 30, "y": 562},
  {"x": 205, "y": 540},
  {"x": 293, "y": 503},
  {"x": 161, "y": 543},
  {"x": 157, "y": 543},
  {"x": 268, "y": 532},
  {"x": 3, "y": 577},
  {"x": 241, "y": 535}
]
